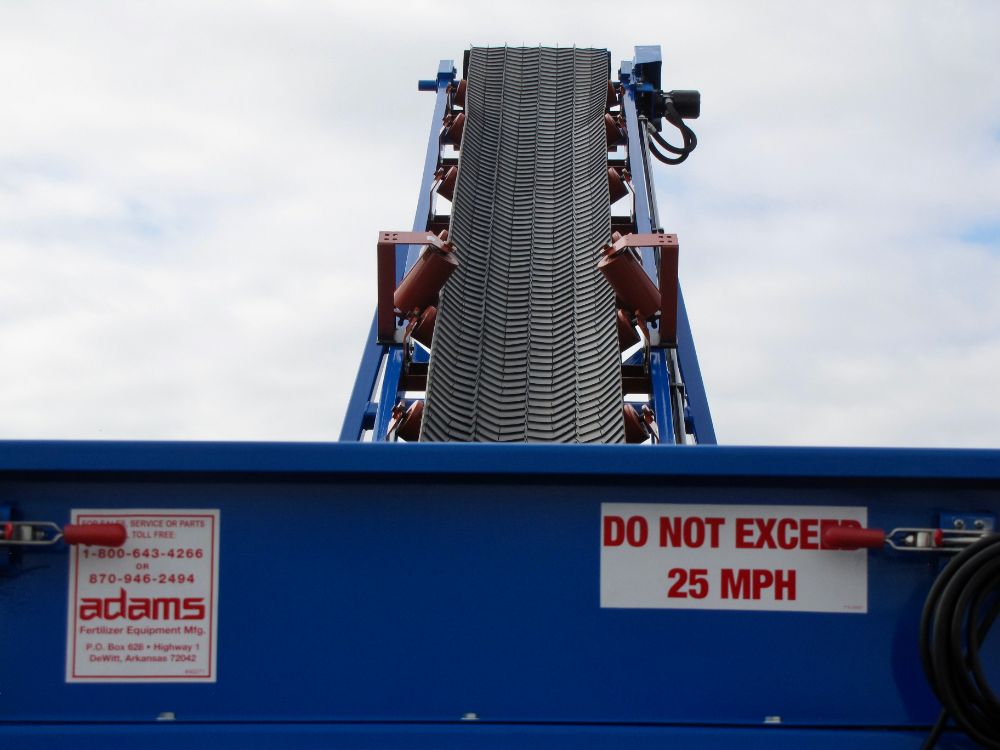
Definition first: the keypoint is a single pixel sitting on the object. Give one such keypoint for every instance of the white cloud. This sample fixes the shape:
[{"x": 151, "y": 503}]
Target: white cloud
[{"x": 189, "y": 193}]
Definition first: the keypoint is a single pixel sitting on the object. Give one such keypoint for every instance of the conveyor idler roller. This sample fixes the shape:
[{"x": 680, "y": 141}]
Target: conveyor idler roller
[{"x": 525, "y": 338}]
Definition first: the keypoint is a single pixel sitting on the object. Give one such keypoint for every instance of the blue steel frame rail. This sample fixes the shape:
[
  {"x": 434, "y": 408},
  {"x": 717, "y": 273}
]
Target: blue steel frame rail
[
  {"x": 647, "y": 220},
  {"x": 447, "y": 462},
  {"x": 363, "y": 411}
]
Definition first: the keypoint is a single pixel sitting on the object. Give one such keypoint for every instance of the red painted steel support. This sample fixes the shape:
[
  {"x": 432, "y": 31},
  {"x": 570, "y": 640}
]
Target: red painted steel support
[
  {"x": 633, "y": 286},
  {"x": 387, "y": 242}
]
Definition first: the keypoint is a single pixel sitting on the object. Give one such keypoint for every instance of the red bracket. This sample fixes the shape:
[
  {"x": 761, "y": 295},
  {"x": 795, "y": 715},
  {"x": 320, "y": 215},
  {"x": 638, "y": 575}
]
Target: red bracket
[
  {"x": 633, "y": 286},
  {"x": 387, "y": 242}
]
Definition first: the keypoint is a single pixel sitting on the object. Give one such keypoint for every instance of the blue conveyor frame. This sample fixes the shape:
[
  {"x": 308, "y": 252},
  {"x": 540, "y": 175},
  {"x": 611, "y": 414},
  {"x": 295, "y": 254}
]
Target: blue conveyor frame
[{"x": 372, "y": 398}]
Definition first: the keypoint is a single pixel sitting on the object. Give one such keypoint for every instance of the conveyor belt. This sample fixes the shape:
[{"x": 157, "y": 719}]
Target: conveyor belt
[{"x": 525, "y": 345}]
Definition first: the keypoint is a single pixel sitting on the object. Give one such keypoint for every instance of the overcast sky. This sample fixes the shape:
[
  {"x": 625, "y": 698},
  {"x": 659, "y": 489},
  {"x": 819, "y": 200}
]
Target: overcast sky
[{"x": 190, "y": 194}]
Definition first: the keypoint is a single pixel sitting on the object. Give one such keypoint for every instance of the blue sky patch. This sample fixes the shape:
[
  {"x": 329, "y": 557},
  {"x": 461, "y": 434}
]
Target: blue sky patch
[{"x": 987, "y": 233}]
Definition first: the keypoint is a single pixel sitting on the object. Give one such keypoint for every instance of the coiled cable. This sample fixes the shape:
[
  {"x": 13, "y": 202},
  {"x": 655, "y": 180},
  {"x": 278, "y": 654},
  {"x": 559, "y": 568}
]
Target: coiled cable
[{"x": 960, "y": 608}]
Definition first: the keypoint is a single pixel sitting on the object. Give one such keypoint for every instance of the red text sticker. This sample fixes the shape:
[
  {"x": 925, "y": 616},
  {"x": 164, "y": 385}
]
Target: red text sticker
[
  {"x": 770, "y": 557},
  {"x": 145, "y": 611}
]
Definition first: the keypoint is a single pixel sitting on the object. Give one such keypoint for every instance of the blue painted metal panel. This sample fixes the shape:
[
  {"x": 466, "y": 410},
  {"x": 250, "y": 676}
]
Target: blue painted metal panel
[
  {"x": 647, "y": 65},
  {"x": 481, "y": 735},
  {"x": 625, "y": 72},
  {"x": 4, "y": 517},
  {"x": 445, "y": 73},
  {"x": 373, "y": 352},
  {"x": 391, "y": 583}
]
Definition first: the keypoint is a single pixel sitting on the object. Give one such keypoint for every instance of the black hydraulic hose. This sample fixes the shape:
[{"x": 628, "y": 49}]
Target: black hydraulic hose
[
  {"x": 960, "y": 608},
  {"x": 665, "y": 144},
  {"x": 664, "y": 158},
  {"x": 675, "y": 119},
  {"x": 690, "y": 139}
]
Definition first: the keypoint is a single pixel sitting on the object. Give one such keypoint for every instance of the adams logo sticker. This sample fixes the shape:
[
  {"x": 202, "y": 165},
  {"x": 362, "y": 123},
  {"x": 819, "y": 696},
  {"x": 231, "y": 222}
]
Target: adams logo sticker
[{"x": 146, "y": 611}]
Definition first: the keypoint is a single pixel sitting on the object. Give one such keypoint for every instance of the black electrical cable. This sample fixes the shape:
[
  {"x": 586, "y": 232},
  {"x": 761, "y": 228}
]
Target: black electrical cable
[
  {"x": 674, "y": 118},
  {"x": 663, "y": 141},
  {"x": 690, "y": 139},
  {"x": 684, "y": 153},
  {"x": 960, "y": 608}
]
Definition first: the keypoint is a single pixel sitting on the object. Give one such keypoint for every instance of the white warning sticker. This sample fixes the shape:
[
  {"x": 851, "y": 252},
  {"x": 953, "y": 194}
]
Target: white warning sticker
[
  {"x": 145, "y": 611},
  {"x": 770, "y": 557}
]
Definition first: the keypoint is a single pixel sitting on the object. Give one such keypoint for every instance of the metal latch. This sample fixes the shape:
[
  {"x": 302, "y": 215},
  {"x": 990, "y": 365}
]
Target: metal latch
[{"x": 903, "y": 539}]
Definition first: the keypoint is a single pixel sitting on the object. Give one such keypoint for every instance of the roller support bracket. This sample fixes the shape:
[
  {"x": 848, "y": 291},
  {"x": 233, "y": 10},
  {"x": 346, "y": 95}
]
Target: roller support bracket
[
  {"x": 669, "y": 253},
  {"x": 387, "y": 243}
]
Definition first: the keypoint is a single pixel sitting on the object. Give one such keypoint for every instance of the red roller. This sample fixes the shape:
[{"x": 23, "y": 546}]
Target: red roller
[
  {"x": 387, "y": 244},
  {"x": 635, "y": 290},
  {"x": 423, "y": 331},
  {"x": 612, "y": 130},
  {"x": 616, "y": 185},
  {"x": 843, "y": 537},
  {"x": 627, "y": 335},
  {"x": 612, "y": 95},
  {"x": 453, "y": 129},
  {"x": 633, "y": 286},
  {"x": 97, "y": 534},
  {"x": 446, "y": 188},
  {"x": 635, "y": 432},
  {"x": 458, "y": 99},
  {"x": 407, "y": 423},
  {"x": 420, "y": 287}
]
